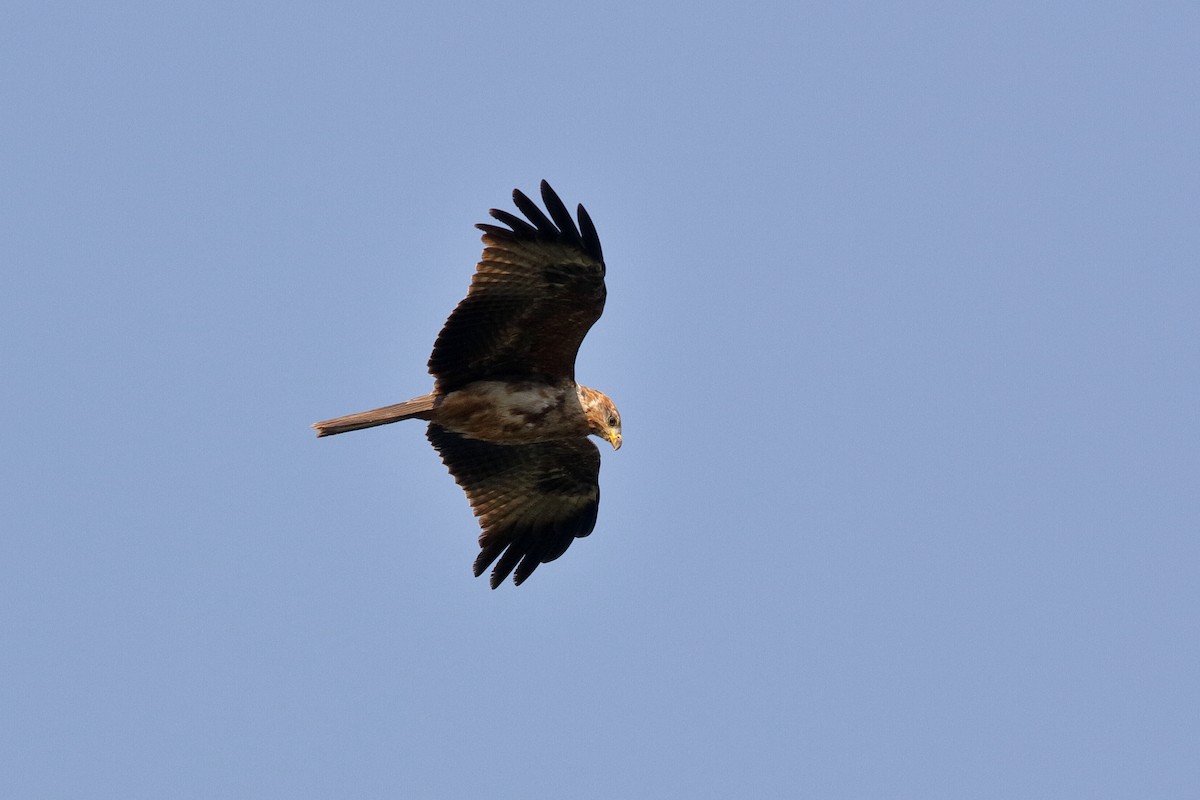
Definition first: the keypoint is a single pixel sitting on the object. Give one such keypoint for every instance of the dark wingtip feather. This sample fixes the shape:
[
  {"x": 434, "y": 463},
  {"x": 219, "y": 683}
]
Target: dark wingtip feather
[
  {"x": 505, "y": 565},
  {"x": 494, "y": 230},
  {"x": 533, "y": 213},
  {"x": 518, "y": 225},
  {"x": 528, "y": 564},
  {"x": 559, "y": 213},
  {"x": 591, "y": 239},
  {"x": 558, "y": 226}
]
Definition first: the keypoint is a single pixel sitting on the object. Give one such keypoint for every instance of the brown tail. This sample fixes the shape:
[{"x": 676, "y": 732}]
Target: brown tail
[{"x": 417, "y": 408}]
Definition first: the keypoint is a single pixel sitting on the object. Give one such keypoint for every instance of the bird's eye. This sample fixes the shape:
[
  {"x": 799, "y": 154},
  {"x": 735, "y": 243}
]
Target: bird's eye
[{"x": 612, "y": 421}]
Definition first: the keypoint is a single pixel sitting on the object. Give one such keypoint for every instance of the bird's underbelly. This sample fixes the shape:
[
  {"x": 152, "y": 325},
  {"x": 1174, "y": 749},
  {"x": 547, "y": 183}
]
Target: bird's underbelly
[{"x": 513, "y": 412}]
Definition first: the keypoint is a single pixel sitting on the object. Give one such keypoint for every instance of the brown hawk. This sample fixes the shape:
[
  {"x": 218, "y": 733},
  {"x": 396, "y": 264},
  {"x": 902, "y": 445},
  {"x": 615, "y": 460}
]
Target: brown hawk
[{"x": 506, "y": 415}]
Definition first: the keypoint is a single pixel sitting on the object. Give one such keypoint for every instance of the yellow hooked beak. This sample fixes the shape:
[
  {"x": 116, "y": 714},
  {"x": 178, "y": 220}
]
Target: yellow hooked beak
[{"x": 614, "y": 438}]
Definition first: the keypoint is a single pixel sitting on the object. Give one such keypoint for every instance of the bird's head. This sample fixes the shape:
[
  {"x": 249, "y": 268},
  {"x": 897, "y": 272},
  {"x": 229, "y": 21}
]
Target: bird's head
[{"x": 603, "y": 418}]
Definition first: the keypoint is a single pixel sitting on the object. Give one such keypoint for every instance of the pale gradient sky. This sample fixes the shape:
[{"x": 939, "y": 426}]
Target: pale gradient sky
[{"x": 903, "y": 323}]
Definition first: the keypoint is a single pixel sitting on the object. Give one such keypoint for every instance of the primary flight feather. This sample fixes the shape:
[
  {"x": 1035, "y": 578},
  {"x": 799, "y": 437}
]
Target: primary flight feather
[{"x": 506, "y": 415}]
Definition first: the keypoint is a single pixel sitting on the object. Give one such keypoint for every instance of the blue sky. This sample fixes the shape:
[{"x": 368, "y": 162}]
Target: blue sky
[{"x": 902, "y": 324}]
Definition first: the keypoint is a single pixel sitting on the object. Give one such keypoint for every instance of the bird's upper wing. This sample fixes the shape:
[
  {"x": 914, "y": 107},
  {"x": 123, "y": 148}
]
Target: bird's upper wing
[
  {"x": 538, "y": 288},
  {"x": 532, "y": 500}
]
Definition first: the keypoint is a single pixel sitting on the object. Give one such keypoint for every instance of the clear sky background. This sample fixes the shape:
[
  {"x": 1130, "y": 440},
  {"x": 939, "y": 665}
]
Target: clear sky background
[{"x": 903, "y": 322}]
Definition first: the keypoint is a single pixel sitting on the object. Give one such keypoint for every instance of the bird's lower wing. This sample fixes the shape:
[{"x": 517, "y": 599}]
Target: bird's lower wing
[{"x": 532, "y": 500}]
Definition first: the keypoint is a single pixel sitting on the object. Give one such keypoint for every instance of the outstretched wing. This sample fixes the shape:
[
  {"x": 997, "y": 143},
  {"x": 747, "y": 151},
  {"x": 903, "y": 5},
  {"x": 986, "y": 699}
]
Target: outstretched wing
[
  {"x": 538, "y": 288},
  {"x": 532, "y": 500}
]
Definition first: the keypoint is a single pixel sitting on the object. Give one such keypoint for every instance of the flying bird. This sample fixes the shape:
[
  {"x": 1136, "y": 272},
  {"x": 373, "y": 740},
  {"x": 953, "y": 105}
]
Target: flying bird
[{"x": 506, "y": 415}]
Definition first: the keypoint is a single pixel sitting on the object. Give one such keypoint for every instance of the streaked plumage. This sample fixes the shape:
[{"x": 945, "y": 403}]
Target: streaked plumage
[{"x": 506, "y": 415}]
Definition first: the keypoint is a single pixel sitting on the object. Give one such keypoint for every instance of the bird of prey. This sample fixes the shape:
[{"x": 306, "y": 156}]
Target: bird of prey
[{"x": 506, "y": 415}]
